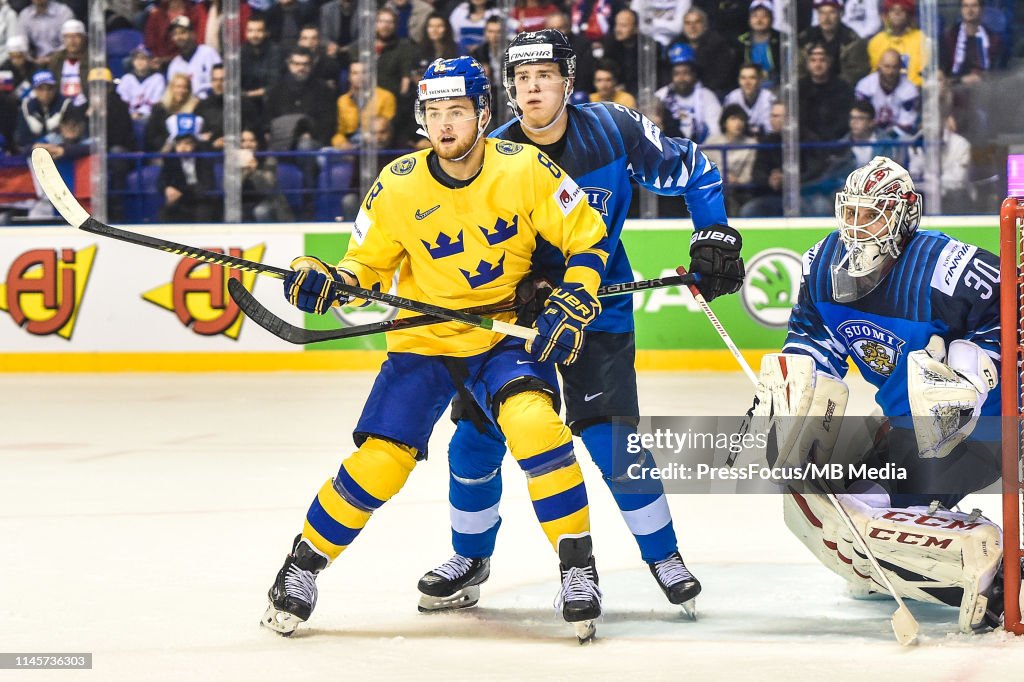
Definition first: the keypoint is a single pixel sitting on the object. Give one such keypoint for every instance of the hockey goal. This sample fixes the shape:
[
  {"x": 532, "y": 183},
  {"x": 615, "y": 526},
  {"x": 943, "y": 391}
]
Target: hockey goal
[{"x": 1011, "y": 255}]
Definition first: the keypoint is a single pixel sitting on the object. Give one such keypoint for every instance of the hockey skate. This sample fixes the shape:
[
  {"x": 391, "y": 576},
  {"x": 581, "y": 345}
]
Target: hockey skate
[
  {"x": 455, "y": 584},
  {"x": 580, "y": 597},
  {"x": 293, "y": 594},
  {"x": 678, "y": 584}
]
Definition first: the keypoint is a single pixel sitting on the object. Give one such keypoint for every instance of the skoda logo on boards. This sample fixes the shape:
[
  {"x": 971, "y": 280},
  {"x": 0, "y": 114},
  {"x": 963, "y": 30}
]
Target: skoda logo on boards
[{"x": 771, "y": 286}]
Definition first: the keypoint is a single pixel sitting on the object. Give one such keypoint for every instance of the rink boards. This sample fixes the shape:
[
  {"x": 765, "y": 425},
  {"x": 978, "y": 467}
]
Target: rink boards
[{"x": 72, "y": 301}]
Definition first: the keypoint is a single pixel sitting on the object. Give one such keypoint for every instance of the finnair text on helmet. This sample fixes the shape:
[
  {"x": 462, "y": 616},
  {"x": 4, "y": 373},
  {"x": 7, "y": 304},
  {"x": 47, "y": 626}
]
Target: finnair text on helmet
[{"x": 524, "y": 53}]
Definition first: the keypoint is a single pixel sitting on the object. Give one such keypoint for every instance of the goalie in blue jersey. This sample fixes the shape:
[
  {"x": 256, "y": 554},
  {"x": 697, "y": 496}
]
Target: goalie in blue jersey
[
  {"x": 918, "y": 313},
  {"x": 604, "y": 147}
]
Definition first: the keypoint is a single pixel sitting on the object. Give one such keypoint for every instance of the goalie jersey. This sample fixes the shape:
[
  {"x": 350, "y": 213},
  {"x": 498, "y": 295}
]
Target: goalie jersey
[
  {"x": 605, "y": 147},
  {"x": 938, "y": 285},
  {"x": 470, "y": 245}
]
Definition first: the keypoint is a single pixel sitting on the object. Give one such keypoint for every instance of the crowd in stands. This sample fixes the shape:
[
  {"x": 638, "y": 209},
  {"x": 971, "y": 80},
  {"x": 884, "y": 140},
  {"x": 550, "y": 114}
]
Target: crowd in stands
[{"x": 303, "y": 89}]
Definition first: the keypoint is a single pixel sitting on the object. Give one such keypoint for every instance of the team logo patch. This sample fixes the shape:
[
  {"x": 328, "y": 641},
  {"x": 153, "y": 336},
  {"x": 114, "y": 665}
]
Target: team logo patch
[
  {"x": 771, "y": 286},
  {"x": 508, "y": 148},
  {"x": 598, "y": 198},
  {"x": 878, "y": 349},
  {"x": 403, "y": 166}
]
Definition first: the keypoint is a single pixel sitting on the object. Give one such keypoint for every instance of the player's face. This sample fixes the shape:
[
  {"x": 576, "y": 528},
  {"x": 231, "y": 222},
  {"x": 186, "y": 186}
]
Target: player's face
[
  {"x": 451, "y": 125},
  {"x": 540, "y": 91},
  {"x": 864, "y": 221}
]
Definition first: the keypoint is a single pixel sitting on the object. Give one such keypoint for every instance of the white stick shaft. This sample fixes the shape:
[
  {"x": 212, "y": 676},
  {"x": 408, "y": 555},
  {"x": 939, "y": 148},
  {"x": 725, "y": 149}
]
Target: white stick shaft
[{"x": 509, "y": 329}]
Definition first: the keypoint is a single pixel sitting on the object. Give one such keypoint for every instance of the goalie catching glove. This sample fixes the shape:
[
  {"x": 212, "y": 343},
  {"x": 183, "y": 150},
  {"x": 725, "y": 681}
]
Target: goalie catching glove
[
  {"x": 715, "y": 257},
  {"x": 310, "y": 285},
  {"x": 947, "y": 392},
  {"x": 560, "y": 326}
]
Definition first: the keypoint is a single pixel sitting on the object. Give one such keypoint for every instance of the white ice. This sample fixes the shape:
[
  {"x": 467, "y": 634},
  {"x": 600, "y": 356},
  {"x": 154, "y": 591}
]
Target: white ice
[{"x": 143, "y": 517}]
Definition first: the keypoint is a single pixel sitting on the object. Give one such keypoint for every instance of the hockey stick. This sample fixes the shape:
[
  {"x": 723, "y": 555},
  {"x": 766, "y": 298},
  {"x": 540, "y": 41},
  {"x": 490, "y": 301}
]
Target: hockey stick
[
  {"x": 255, "y": 311},
  {"x": 904, "y": 625},
  {"x": 64, "y": 201},
  {"x": 259, "y": 314}
]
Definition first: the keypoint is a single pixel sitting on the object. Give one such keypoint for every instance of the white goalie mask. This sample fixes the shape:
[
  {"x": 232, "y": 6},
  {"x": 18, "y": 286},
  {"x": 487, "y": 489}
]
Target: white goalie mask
[{"x": 878, "y": 210}]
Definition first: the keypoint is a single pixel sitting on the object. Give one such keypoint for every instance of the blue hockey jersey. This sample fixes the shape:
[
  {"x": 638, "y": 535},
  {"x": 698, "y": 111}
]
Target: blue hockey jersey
[
  {"x": 938, "y": 285},
  {"x": 605, "y": 146}
]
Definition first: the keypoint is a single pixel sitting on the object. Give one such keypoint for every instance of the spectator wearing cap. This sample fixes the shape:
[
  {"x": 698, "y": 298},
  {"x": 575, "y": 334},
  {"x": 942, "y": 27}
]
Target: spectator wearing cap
[
  {"x": 177, "y": 99},
  {"x": 8, "y": 27},
  {"x": 606, "y": 86},
  {"x": 693, "y": 110},
  {"x": 157, "y": 33},
  {"x": 70, "y": 64},
  {"x": 142, "y": 87},
  {"x": 194, "y": 59},
  {"x": 621, "y": 46},
  {"x": 15, "y": 82},
  {"x": 184, "y": 180},
  {"x": 896, "y": 100},
  {"x": 901, "y": 35},
  {"x": 756, "y": 100},
  {"x": 848, "y": 51},
  {"x": 715, "y": 56},
  {"x": 761, "y": 44},
  {"x": 41, "y": 23},
  {"x": 822, "y": 95},
  {"x": 41, "y": 112},
  {"x": 969, "y": 50}
]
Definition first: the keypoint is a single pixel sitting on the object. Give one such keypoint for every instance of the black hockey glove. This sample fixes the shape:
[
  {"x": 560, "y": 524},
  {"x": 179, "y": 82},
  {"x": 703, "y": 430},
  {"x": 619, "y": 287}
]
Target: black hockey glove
[
  {"x": 715, "y": 256},
  {"x": 531, "y": 296}
]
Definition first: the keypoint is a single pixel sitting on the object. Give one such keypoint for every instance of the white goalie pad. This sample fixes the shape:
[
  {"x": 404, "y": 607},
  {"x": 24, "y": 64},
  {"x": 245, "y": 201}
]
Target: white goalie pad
[
  {"x": 938, "y": 556},
  {"x": 947, "y": 393},
  {"x": 800, "y": 406}
]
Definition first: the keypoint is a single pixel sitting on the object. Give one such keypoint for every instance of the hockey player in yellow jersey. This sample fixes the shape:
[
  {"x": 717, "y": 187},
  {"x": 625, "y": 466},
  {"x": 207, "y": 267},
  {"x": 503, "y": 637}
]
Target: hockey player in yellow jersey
[{"x": 459, "y": 223}]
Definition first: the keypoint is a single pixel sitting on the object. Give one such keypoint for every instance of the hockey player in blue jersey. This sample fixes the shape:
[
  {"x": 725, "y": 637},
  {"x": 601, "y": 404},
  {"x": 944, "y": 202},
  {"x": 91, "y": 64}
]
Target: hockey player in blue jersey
[
  {"x": 603, "y": 146},
  {"x": 918, "y": 313}
]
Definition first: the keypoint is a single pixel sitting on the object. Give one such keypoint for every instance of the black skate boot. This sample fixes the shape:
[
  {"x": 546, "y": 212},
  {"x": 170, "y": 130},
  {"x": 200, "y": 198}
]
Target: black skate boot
[
  {"x": 580, "y": 597},
  {"x": 455, "y": 584},
  {"x": 676, "y": 581},
  {"x": 293, "y": 594}
]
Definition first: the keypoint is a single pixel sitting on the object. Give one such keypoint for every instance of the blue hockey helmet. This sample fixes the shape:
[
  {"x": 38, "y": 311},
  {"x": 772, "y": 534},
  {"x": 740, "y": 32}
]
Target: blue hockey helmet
[{"x": 450, "y": 78}]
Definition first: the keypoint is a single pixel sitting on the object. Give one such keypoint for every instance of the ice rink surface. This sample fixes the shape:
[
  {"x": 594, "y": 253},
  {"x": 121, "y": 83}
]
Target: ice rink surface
[{"x": 143, "y": 517}]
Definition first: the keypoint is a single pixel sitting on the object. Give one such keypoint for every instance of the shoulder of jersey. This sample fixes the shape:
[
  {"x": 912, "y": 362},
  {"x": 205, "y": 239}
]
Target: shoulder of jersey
[
  {"x": 405, "y": 165},
  {"x": 813, "y": 256}
]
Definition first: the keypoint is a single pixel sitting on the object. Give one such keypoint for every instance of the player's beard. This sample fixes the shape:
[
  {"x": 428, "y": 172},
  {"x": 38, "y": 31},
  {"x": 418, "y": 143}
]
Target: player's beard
[{"x": 460, "y": 148}]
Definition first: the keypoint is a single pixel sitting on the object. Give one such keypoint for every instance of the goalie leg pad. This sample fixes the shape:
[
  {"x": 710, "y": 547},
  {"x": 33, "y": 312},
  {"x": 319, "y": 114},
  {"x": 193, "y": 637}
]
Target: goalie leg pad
[{"x": 938, "y": 556}]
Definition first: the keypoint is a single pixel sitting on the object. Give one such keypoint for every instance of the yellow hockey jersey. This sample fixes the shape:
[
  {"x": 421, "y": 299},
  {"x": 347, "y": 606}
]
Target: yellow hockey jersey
[{"x": 470, "y": 246}]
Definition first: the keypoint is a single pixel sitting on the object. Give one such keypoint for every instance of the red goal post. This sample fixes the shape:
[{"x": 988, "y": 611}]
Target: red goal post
[{"x": 1011, "y": 274}]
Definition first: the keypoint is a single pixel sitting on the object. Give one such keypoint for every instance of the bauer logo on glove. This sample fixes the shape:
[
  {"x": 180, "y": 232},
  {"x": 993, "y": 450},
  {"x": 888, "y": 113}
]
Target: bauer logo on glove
[{"x": 569, "y": 309}]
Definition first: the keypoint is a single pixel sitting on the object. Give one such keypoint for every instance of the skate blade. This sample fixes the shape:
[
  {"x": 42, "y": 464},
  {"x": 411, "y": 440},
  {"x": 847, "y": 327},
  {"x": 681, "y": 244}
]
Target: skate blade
[
  {"x": 463, "y": 599},
  {"x": 281, "y": 622},
  {"x": 690, "y": 609},
  {"x": 586, "y": 630}
]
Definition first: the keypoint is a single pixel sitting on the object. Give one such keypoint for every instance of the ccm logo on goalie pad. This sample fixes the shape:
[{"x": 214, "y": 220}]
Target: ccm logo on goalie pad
[{"x": 568, "y": 195}]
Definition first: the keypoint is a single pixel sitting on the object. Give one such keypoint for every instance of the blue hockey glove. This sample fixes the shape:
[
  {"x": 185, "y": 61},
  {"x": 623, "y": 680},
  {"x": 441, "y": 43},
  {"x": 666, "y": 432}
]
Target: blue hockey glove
[
  {"x": 310, "y": 287},
  {"x": 715, "y": 256},
  {"x": 560, "y": 327}
]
